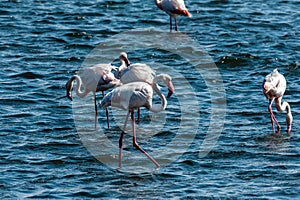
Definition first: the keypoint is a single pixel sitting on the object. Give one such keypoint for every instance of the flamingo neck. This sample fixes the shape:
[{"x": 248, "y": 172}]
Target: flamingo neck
[
  {"x": 163, "y": 105},
  {"x": 285, "y": 106},
  {"x": 79, "y": 93},
  {"x": 122, "y": 67}
]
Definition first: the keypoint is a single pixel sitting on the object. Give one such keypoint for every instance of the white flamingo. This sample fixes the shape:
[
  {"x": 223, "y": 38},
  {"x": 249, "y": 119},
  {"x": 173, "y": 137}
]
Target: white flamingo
[
  {"x": 173, "y": 8},
  {"x": 132, "y": 96},
  {"x": 95, "y": 79},
  {"x": 143, "y": 73},
  {"x": 274, "y": 87}
]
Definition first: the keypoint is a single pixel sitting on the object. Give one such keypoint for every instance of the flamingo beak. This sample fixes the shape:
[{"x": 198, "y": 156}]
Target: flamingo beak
[
  {"x": 170, "y": 89},
  {"x": 68, "y": 91},
  {"x": 127, "y": 61},
  {"x": 69, "y": 95}
]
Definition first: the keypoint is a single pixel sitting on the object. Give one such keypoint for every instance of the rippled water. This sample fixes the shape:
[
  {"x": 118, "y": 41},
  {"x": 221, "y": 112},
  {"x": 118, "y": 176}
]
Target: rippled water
[{"x": 43, "y": 148}]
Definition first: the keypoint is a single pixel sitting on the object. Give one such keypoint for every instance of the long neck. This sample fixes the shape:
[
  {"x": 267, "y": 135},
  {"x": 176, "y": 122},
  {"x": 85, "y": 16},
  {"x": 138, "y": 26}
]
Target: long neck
[
  {"x": 282, "y": 106},
  {"x": 285, "y": 106},
  {"x": 79, "y": 93},
  {"x": 158, "y": 4},
  {"x": 122, "y": 67},
  {"x": 163, "y": 105}
]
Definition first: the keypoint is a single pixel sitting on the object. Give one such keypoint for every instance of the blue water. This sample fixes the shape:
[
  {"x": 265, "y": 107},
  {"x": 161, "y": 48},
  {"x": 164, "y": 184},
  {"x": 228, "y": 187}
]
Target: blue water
[{"x": 49, "y": 150}]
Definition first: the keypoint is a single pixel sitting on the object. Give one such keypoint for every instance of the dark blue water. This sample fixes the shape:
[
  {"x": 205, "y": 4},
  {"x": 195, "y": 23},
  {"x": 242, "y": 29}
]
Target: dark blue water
[{"x": 48, "y": 150}]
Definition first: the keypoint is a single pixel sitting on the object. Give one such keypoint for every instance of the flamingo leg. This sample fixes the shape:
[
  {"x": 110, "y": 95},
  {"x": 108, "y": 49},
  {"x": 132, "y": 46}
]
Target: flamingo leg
[
  {"x": 139, "y": 114},
  {"x": 96, "y": 111},
  {"x": 289, "y": 128},
  {"x": 136, "y": 145},
  {"x": 170, "y": 23},
  {"x": 107, "y": 113},
  {"x": 273, "y": 118},
  {"x": 176, "y": 24},
  {"x": 121, "y": 140}
]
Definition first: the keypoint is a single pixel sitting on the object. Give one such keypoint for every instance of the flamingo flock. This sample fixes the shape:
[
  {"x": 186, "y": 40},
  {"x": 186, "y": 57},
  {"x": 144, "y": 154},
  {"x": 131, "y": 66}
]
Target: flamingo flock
[
  {"x": 134, "y": 85},
  {"x": 133, "y": 90}
]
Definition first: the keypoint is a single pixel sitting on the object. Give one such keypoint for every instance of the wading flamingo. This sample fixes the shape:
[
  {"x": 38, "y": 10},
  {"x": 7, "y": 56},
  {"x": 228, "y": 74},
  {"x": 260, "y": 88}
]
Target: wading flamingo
[
  {"x": 274, "y": 87},
  {"x": 95, "y": 79},
  {"x": 129, "y": 97},
  {"x": 173, "y": 8},
  {"x": 142, "y": 73}
]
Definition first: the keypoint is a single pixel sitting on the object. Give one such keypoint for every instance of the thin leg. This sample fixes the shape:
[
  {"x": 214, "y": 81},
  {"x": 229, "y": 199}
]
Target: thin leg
[
  {"x": 273, "y": 118},
  {"x": 135, "y": 144},
  {"x": 107, "y": 113},
  {"x": 289, "y": 128},
  {"x": 139, "y": 114},
  {"x": 96, "y": 111},
  {"x": 170, "y": 24},
  {"x": 176, "y": 25},
  {"x": 121, "y": 141}
]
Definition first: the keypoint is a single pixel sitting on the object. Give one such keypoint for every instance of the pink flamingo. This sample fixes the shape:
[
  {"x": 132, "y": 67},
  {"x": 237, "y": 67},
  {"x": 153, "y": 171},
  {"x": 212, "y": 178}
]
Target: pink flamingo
[
  {"x": 142, "y": 73},
  {"x": 173, "y": 8},
  {"x": 274, "y": 87},
  {"x": 95, "y": 79},
  {"x": 131, "y": 96}
]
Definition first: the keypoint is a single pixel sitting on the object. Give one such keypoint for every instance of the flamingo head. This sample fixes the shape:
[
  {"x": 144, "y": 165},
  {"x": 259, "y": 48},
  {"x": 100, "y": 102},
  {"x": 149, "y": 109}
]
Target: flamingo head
[
  {"x": 106, "y": 101},
  {"x": 167, "y": 80},
  {"x": 267, "y": 86},
  {"x": 69, "y": 86},
  {"x": 124, "y": 58},
  {"x": 124, "y": 63},
  {"x": 170, "y": 89}
]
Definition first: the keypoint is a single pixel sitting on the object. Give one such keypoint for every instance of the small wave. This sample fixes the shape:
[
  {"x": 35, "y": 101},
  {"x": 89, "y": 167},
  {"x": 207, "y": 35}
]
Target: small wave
[{"x": 27, "y": 75}]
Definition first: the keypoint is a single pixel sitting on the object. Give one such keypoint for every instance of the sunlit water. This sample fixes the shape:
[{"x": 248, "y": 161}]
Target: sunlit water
[{"x": 50, "y": 149}]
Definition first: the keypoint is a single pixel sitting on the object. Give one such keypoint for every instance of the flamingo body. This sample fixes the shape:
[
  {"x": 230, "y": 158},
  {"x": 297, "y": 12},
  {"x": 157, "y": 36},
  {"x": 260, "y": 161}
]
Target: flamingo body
[
  {"x": 144, "y": 73},
  {"x": 137, "y": 72},
  {"x": 274, "y": 87},
  {"x": 175, "y": 8}
]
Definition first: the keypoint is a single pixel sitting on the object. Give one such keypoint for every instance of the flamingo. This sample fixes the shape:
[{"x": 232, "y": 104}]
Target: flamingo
[
  {"x": 131, "y": 96},
  {"x": 144, "y": 73},
  {"x": 140, "y": 72},
  {"x": 173, "y": 8},
  {"x": 274, "y": 87},
  {"x": 95, "y": 79}
]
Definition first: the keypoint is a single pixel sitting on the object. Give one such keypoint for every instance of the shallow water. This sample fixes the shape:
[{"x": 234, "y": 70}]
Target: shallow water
[{"x": 49, "y": 147}]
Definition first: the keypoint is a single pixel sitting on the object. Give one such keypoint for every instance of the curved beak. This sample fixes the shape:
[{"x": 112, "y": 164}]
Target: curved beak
[
  {"x": 125, "y": 59},
  {"x": 68, "y": 90},
  {"x": 170, "y": 89},
  {"x": 69, "y": 95}
]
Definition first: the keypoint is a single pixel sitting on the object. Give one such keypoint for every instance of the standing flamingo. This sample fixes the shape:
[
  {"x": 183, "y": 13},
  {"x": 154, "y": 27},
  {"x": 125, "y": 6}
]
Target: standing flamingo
[
  {"x": 95, "y": 79},
  {"x": 173, "y": 8},
  {"x": 274, "y": 87},
  {"x": 132, "y": 96},
  {"x": 143, "y": 73}
]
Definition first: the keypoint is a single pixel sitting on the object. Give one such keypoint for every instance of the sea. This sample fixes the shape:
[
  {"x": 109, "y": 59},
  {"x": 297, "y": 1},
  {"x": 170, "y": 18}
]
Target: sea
[{"x": 214, "y": 140}]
